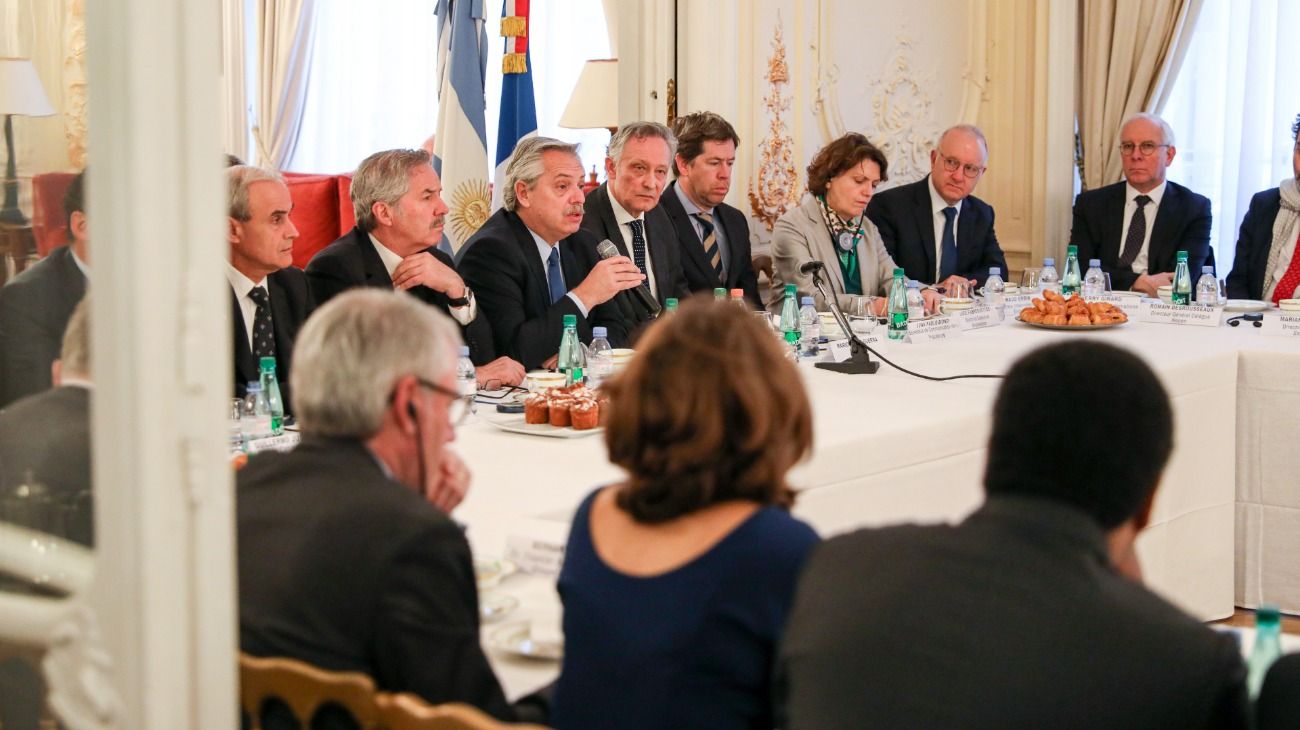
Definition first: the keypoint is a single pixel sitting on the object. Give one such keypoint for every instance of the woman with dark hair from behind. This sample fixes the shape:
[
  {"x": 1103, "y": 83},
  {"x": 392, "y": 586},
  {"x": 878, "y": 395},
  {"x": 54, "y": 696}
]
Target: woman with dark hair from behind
[{"x": 676, "y": 582}]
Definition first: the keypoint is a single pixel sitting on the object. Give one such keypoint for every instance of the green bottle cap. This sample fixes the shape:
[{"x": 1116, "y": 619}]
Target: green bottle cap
[
  {"x": 789, "y": 290},
  {"x": 1182, "y": 256},
  {"x": 719, "y": 293},
  {"x": 898, "y": 273},
  {"x": 1268, "y": 614},
  {"x": 570, "y": 320},
  {"x": 1072, "y": 251},
  {"x": 670, "y": 303},
  {"x": 266, "y": 363}
]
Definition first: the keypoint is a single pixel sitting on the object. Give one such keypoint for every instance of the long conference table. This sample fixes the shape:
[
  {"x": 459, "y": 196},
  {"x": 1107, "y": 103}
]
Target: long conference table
[{"x": 891, "y": 448}]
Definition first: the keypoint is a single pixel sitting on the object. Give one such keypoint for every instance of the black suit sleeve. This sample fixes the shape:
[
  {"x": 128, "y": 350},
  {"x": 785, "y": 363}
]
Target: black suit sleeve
[
  {"x": 1238, "y": 281},
  {"x": 27, "y": 344},
  {"x": 885, "y": 223},
  {"x": 427, "y": 628},
  {"x": 1087, "y": 237},
  {"x": 1231, "y": 707},
  {"x": 1196, "y": 236},
  {"x": 990, "y": 250},
  {"x": 328, "y": 278}
]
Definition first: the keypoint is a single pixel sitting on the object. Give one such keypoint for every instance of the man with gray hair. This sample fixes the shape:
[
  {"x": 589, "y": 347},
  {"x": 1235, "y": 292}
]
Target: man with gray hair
[
  {"x": 531, "y": 264},
  {"x": 269, "y": 297},
  {"x": 935, "y": 228},
  {"x": 397, "y": 198},
  {"x": 624, "y": 210},
  {"x": 348, "y": 559},
  {"x": 1137, "y": 226}
]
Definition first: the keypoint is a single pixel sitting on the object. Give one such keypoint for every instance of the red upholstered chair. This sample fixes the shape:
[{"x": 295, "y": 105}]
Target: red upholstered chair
[
  {"x": 347, "y": 218},
  {"x": 315, "y": 213},
  {"x": 49, "y": 223}
]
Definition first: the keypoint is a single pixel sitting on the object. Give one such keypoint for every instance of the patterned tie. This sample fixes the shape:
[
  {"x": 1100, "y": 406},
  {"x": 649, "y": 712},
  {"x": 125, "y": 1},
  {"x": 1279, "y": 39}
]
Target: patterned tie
[
  {"x": 638, "y": 244},
  {"x": 711, "y": 250},
  {"x": 948, "y": 247},
  {"x": 1137, "y": 232},
  {"x": 263, "y": 331},
  {"x": 554, "y": 280},
  {"x": 1285, "y": 288}
]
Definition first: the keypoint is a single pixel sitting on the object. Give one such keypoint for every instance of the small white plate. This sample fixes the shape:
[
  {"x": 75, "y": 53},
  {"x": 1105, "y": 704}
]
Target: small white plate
[
  {"x": 494, "y": 606},
  {"x": 1245, "y": 305},
  {"x": 514, "y": 423},
  {"x": 490, "y": 571},
  {"x": 1125, "y": 293},
  {"x": 516, "y": 639}
]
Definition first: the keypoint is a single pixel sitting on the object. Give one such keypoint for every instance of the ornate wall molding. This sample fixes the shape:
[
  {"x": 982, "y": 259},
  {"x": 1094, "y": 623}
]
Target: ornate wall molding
[
  {"x": 74, "y": 82},
  {"x": 903, "y": 122},
  {"x": 777, "y": 188}
]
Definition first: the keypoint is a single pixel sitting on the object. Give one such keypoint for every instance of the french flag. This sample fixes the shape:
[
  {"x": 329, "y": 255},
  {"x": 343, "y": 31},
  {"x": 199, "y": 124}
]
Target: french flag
[{"x": 518, "y": 108}]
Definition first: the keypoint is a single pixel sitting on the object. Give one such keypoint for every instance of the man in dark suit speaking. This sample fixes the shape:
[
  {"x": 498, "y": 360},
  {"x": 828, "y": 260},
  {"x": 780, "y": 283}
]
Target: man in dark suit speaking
[
  {"x": 530, "y": 263},
  {"x": 347, "y": 557},
  {"x": 1137, "y": 226},
  {"x": 935, "y": 228},
  {"x": 1030, "y": 613}
]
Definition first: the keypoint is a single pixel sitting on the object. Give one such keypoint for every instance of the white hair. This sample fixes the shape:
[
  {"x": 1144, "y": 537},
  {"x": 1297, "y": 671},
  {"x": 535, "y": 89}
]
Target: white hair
[
  {"x": 526, "y": 165},
  {"x": 238, "y": 179},
  {"x": 1166, "y": 131},
  {"x": 355, "y": 348},
  {"x": 641, "y": 130},
  {"x": 970, "y": 129}
]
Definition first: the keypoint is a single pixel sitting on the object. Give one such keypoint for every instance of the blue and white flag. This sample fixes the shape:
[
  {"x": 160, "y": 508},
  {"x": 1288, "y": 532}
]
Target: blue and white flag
[
  {"x": 518, "y": 108},
  {"x": 460, "y": 149}
]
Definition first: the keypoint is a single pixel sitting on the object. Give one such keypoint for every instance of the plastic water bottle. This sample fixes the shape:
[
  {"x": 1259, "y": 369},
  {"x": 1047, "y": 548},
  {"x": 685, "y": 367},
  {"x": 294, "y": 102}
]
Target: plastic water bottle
[
  {"x": 719, "y": 294},
  {"x": 466, "y": 382},
  {"x": 256, "y": 419},
  {"x": 995, "y": 291},
  {"x": 571, "y": 360},
  {"x": 1094, "y": 282},
  {"x": 897, "y": 307},
  {"x": 600, "y": 357},
  {"x": 810, "y": 327},
  {"x": 670, "y": 304},
  {"x": 1182, "y": 281},
  {"x": 1267, "y": 649},
  {"x": 1071, "y": 282},
  {"x": 270, "y": 387},
  {"x": 915, "y": 302},
  {"x": 1207, "y": 288},
  {"x": 790, "y": 320},
  {"x": 1048, "y": 278},
  {"x": 738, "y": 297}
]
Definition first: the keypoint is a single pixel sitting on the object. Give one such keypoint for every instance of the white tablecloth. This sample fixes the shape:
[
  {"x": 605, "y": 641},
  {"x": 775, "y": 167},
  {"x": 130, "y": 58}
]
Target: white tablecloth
[{"x": 891, "y": 448}]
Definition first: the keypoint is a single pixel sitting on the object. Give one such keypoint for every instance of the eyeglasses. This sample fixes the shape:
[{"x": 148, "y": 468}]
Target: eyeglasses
[
  {"x": 459, "y": 408},
  {"x": 1148, "y": 148},
  {"x": 951, "y": 164}
]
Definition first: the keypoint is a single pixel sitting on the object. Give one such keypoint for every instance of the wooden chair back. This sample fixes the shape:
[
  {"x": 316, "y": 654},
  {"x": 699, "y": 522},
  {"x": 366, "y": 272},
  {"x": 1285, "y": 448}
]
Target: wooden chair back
[
  {"x": 405, "y": 711},
  {"x": 304, "y": 689}
]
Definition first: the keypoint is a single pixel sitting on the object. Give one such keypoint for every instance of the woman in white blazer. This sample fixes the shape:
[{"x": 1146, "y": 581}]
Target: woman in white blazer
[{"x": 829, "y": 226}]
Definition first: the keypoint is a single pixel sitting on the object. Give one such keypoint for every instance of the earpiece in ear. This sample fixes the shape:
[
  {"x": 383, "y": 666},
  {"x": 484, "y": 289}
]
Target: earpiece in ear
[{"x": 410, "y": 411}]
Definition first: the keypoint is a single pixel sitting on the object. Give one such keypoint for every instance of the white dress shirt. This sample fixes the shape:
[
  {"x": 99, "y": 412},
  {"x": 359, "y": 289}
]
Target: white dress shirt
[
  {"x": 463, "y": 314},
  {"x": 242, "y": 285},
  {"x": 624, "y": 220},
  {"x": 937, "y": 204},
  {"x": 1148, "y": 210},
  {"x": 544, "y": 250}
]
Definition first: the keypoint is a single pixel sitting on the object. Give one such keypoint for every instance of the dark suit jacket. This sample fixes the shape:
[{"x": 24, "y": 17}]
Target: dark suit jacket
[
  {"x": 500, "y": 262},
  {"x": 35, "y": 307},
  {"x": 352, "y": 261},
  {"x": 700, "y": 276},
  {"x": 342, "y": 567},
  {"x": 1012, "y": 619},
  {"x": 905, "y": 218},
  {"x": 48, "y": 434},
  {"x": 1246, "y": 280},
  {"x": 1278, "y": 706},
  {"x": 291, "y": 304},
  {"x": 1182, "y": 223},
  {"x": 665, "y": 257}
]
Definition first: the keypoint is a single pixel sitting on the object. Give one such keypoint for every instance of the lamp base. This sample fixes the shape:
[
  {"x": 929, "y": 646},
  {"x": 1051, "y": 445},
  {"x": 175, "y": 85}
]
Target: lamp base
[{"x": 10, "y": 213}]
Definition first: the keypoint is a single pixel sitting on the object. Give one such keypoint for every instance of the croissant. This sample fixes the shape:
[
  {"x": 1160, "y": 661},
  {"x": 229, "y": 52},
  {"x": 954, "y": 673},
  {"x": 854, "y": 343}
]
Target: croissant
[
  {"x": 1029, "y": 314},
  {"x": 1056, "y": 319}
]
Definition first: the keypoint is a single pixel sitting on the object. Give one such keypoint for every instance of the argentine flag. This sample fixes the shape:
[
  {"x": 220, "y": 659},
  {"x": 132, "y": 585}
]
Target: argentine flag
[
  {"x": 518, "y": 108},
  {"x": 460, "y": 149}
]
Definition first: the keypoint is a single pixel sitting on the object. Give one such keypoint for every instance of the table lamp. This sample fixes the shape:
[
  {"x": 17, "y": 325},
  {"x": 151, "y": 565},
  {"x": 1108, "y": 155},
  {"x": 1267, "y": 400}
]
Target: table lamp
[
  {"x": 594, "y": 101},
  {"x": 20, "y": 93}
]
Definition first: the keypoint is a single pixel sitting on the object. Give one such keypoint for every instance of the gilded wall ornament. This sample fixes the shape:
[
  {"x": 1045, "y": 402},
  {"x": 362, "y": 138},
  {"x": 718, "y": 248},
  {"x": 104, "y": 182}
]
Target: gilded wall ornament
[
  {"x": 778, "y": 188},
  {"x": 74, "y": 82},
  {"x": 903, "y": 115}
]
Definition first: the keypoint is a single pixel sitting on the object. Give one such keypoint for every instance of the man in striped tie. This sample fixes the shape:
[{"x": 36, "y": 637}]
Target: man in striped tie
[{"x": 714, "y": 237}]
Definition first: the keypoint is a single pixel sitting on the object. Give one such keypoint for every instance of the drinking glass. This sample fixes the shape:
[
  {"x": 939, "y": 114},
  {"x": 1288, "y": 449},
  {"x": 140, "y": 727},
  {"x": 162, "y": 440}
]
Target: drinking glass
[
  {"x": 1029, "y": 278},
  {"x": 766, "y": 319},
  {"x": 959, "y": 290},
  {"x": 862, "y": 314},
  {"x": 1106, "y": 276}
]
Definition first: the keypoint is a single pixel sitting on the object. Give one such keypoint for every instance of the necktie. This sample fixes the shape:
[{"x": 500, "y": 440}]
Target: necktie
[
  {"x": 554, "y": 280},
  {"x": 1137, "y": 232},
  {"x": 263, "y": 331},
  {"x": 711, "y": 250},
  {"x": 1285, "y": 288},
  {"x": 948, "y": 247},
  {"x": 638, "y": 243}
]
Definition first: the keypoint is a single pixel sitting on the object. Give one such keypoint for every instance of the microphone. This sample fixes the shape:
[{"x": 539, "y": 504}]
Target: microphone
[
  {"x": 811, "y": 266},
  {"x": 641, "y": 292}
]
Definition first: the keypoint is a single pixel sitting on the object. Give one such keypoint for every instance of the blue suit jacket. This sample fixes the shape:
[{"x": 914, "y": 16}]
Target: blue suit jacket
[{"x": 1246, "y": 281}]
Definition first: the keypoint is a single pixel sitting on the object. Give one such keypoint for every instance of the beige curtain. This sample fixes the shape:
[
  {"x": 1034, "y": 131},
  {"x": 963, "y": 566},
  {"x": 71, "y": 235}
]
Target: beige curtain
[
  {"x": 285, "y": 29},
  {"x": 1130, "y": 54}
]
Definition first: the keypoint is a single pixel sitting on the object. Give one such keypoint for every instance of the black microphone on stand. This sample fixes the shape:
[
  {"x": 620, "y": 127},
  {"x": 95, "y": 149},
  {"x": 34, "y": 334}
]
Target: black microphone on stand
[
  {"x": 641, "y": 293},
  {"x": 859, "y": 362}
]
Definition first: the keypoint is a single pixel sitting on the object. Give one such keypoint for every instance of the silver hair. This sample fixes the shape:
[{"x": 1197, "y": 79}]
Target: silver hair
[
  {"x": 970, "y": 129},
  {"x": 526, "y": 165},
  {"x": 1166, "y": 131},
  {"x": 238, "y": 180},
  {"x": 354, "y": 349},
  {"x": 75, "y": 355},
  {"x": 641, "y": 130},
  {"x": 383, "y": 177}
]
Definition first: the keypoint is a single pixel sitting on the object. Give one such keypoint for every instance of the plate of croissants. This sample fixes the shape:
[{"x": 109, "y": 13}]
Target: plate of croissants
[{"x": 1056, "y": 312}]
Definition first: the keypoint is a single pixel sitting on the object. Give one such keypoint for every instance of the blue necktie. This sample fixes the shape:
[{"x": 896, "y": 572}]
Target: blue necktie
[
  {"x": 555, "y": 280},
  {"x": 948, "y": 247}
]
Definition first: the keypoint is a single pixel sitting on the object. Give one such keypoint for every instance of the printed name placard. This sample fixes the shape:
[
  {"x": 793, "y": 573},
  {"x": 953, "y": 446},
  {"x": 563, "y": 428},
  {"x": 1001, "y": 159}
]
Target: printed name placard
[
  {"x": 1132, "y": 306},
  {"x": 841, "y": 350},
  {"x": 283, "y": 442},
  {"x": 535, "y": 554},
  {"x": 935, "y": 329},
  {"x": 1184, "y": 314},
  {"x": 977, "y": 317},
  {"x": 1282, "y": 325}
]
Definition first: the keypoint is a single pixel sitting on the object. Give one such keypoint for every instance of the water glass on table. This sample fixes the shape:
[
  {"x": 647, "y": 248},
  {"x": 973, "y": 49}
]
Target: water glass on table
[
  {"x": 862, "y": 314},
  {"x": 1029, "y": 279}
]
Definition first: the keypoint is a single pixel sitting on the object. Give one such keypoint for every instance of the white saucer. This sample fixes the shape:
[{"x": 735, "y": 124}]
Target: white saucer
[
  {"x": 1245, "y": 305},
  {"x": 516, "y": 639}
]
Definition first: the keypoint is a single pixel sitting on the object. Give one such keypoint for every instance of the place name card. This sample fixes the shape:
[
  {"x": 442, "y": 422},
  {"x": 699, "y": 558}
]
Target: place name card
[
  {"x": 1282, "y": 325},
  {"x": 935, "y": 329},
  {"x": 536, "y": 554},
  {"x": 1183, "y": 314},
  {"x": 978, "y": 317},
  {"x": 841, "y": 350},
  {"x": 1132, "y": 306},
  {"x": 284, "y": 442}
]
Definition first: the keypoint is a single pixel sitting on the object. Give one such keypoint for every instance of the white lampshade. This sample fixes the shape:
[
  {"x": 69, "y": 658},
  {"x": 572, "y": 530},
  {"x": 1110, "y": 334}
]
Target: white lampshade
[
  {"x": 594, "y": 101},
  {"x": 20, "y": 89}
]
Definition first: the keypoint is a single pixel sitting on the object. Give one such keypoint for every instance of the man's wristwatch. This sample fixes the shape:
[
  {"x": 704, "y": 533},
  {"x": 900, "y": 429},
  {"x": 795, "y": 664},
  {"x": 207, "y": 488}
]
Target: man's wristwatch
[{"x": 463, "y": 300}]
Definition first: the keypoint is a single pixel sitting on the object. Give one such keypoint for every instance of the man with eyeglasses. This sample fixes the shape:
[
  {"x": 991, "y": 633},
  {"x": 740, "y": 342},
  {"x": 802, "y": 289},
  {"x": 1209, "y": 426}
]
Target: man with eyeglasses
[
  {"x": 1267, "y": 264},
  {"x": 1137, "y": 226},
  {"x": 934, "y": 228},
  {"x": 348, "y": 559}
]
